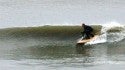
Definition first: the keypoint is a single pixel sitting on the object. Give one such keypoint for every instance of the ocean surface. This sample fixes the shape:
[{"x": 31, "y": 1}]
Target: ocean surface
[{"x": 54, "y": 48}]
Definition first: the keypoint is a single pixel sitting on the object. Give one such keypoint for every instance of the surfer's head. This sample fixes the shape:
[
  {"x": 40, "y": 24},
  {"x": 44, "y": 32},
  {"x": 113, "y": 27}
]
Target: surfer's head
[{"x": 83, "y": 24}]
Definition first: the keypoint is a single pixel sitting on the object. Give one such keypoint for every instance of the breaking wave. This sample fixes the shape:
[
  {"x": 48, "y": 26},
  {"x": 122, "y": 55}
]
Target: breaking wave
[{"x": 110, "y": 32}]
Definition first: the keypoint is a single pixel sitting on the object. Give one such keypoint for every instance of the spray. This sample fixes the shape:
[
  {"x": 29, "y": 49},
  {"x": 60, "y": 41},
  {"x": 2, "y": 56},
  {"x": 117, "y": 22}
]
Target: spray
[{"x": 106, "y": 36}]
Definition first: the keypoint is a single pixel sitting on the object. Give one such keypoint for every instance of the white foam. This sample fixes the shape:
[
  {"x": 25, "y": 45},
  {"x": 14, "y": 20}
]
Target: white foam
[
  {"x": 99, "y": 39},
  {"x": 112, "y": 24},
  {"x": 117, "y": 36}
]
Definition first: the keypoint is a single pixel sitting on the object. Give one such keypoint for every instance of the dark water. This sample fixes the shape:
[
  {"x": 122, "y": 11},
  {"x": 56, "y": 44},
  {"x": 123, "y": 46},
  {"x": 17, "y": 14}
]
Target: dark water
[{"x": 49, "y": 52}]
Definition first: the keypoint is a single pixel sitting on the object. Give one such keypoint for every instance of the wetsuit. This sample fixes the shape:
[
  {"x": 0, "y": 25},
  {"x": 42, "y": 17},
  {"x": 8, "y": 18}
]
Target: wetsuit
[{"x": 87, "y": 33}]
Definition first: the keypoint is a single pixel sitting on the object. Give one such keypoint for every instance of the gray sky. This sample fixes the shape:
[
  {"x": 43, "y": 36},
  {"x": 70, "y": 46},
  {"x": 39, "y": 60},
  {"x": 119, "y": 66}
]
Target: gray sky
[{"x": 16, "y": 13}]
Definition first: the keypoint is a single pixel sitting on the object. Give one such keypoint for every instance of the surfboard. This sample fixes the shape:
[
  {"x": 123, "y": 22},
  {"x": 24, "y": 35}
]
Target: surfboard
[{"x": 86, "y": 40}]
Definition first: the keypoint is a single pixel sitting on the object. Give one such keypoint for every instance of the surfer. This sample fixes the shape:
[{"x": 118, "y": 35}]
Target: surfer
[{"x": 87, "y": 33}]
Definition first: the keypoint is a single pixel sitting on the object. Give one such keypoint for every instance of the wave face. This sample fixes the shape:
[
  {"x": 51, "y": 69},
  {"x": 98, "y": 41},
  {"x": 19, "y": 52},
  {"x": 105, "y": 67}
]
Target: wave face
[{"x": 54, "y": 32}]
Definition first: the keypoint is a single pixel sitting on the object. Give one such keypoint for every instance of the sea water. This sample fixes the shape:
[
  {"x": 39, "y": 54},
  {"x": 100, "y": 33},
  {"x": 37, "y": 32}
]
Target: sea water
[
  {"x": 21, "y": 49},
  {"x": 54, "y": 47}
]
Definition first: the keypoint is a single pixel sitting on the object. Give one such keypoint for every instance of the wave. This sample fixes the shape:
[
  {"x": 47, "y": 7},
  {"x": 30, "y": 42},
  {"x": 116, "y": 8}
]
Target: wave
[
  {"x": 107, "y": 33},
  {"x": 54, "y": 41},
  {"x": 45, "y": 31}
]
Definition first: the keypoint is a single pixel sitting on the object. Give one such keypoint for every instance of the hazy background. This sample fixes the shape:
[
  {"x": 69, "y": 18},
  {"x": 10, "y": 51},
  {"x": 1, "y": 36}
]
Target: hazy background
[{"x": 16, "y": 13}]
